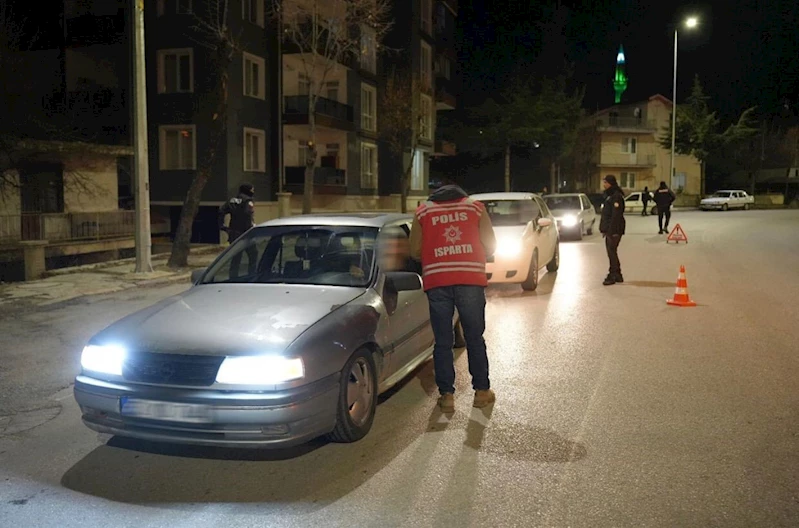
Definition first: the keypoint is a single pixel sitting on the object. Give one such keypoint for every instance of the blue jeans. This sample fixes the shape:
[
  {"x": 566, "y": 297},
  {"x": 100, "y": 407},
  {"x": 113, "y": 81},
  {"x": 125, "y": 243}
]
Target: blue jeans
[{"x": 471, "y": 303}]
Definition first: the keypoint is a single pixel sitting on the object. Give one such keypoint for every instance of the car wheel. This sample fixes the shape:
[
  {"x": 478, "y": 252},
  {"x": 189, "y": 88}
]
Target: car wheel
[
  {"x": 655, "y": 210},
  {"x": 591, "y": 228},
  {"x": 532, "y": 276},
  {"x": 579, "y": 235},
  {"x": 746, "y": 207},
  {"x": 357, "y": 399},
  {"x": 460, "y": 340},
  {"x": 554, "y": 264},
  {"x": 725, "y": 207}
]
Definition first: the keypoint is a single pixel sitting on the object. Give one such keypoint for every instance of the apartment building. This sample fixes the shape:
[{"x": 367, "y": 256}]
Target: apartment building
[{"x": 183, "y": 83}]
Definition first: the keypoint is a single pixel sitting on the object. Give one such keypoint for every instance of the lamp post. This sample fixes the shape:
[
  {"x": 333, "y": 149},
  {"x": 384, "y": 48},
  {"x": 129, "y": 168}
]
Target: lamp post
[{"x": 690, "y": 23}]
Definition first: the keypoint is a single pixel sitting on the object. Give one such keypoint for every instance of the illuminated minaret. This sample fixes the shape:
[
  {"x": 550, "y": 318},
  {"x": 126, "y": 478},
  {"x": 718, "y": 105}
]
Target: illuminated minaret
[{"x": 620, "y": 81}]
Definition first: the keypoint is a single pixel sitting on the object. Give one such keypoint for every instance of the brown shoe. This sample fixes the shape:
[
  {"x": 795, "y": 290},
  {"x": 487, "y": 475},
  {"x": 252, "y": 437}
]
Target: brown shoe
[
  {"x": 446, "y": 402},
  {"x": 483, "y": 398}
]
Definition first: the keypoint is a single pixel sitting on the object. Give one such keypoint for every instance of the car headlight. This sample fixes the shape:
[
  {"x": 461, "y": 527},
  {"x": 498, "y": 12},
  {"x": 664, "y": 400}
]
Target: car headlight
[
  {"x": 104, "y": 359},
  {"x": 569, "y": 221},
  {"x": 259, "y": 370},
  {"x": 508, "y": 247}
]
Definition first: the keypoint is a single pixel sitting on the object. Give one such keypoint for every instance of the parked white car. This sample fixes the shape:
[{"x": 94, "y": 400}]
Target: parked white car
[
  {"x": 724, "y": 200},
  {"x": 634, "y": 204},
  {"x": 527, "y": 238},
  {"x": 574, "y": 213}
]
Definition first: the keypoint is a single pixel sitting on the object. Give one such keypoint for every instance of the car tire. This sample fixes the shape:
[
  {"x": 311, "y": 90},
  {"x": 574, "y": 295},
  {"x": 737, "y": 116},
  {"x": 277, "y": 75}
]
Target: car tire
[
  {"x": 746, "y": 207},
  {"x": 554, "y": 264},
  {"x": 356, "y": 410},
  {"x": 460, "y": 340},
  {"x": 579, "y": 235},
  {"x": 591, "y": 228},
  {"x": 654, "y": 210},
  {"x": 531, "y": 283},
  {"x": 725, "y": 207}
]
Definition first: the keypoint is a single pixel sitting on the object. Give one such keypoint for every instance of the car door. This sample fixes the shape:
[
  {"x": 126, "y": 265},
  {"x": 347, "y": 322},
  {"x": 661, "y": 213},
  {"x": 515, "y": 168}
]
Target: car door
[
  {"x": 408, "y": 312},
  {"x": 633, "y": 203},
  {"x": 588, "y": 211},
  {"x": 547, "y": 236}
]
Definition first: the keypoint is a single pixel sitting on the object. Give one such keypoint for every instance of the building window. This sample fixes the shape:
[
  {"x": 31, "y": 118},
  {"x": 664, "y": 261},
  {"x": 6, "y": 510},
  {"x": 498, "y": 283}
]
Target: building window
[
  {"x": 444, "y": 67},
  {"x": 302, "y": 154},
  {"x": 427, "y": 16},
  {"x": 177, "y": 147},
  {"x": 441, "y": 17},
  {"x": 368, "y": 49},
  {"x": 418, "y": 171},
  {"x": 254, "y": 76},
  {"x": 368, "y": 107},
  {"x": 629, "y": 145},
  {"x": 368, "y": 166},
  {"x": 253, "y": 11},
  {"x": 175, "y": 70},
  {"x": 254, "y": 150},
  {"x": 627, "y": 180},
  {"x": 331, "y": 90},
  {"x": 426, "y": 65},
  {"x": 678, "y": 181},
  {"x": 184, "y": 7},
  {"x": 426, "y": 113}
]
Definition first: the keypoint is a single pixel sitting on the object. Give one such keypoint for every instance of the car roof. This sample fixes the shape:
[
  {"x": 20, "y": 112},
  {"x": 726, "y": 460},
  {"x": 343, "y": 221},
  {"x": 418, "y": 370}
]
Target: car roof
[
  {"x": 503, "y": 196},
  {"x": 558, "y": 195},
  {"x": 376, "y": 219}
]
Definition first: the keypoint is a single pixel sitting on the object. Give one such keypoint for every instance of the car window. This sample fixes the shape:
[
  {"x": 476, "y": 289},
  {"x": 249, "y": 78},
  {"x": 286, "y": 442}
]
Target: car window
[
  {"x": 722, "y": 194},
  {"x": 511, "y": 212},
  {"x": 586, "y": 202},
  {"x": 318, "y": 255},
  {"x": 633, "y": 197},
  {"x": 562, "y": 202},
  {"x": 394, "y": 249}
]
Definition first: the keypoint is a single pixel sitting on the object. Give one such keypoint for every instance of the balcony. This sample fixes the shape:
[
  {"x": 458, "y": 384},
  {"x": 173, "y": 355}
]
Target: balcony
[
  {"x": 626, "y": 124},
  {"x": 628, "y": 160},
  {"x": 329, "y": 113},
  {"x": 66, "y": 227},
  {"x": 444, "y": 99},
  {"x": 327, "y": 177},
  {"x": 445, "y": 148}
]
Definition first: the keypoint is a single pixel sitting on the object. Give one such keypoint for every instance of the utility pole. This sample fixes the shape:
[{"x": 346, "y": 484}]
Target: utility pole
[{"x": 140, "y": 156}]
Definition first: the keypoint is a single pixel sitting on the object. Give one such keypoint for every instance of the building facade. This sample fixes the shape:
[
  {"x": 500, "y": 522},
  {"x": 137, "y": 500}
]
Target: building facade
[{"x": 626, "y": 143}]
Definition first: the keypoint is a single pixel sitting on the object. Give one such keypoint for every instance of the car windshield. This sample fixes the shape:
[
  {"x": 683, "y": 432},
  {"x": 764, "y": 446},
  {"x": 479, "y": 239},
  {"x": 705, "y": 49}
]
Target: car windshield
[
  {"x": 563, "y": 202},
  {"x": 722, "y": 194},
  {"x": 510, "y": 212},
  {"x": 317, "y": 255}
]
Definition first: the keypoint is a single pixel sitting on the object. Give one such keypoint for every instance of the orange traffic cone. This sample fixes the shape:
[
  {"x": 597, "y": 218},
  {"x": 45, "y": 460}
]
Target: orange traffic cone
[{"x": 681, "y": 297}]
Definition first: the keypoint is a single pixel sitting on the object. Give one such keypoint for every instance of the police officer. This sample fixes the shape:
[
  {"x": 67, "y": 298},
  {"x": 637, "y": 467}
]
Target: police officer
[
  {"x": 242, "y": 213},
  {"x": 612, "y": 226},
  {"x": 664, "y": 197},
  {"x": 452, "y": 235}
]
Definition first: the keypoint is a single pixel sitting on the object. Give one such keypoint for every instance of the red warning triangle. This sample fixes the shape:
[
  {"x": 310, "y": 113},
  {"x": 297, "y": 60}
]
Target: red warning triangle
[{"x": 677, "y": 235}]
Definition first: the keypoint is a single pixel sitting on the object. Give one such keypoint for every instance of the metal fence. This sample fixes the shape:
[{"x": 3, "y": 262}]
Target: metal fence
[{"x": 66, "y": 227}]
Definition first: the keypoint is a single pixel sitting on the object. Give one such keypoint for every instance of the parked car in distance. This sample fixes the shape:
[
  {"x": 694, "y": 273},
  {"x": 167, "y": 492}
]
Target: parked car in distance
[
  {"x": 634, "y": 204},
  {"x": 725, "y": 200},
  {"x": 527, "y": 238},
  {"x": 574, "y": 213},
  {"x": 290, "y": 334}
]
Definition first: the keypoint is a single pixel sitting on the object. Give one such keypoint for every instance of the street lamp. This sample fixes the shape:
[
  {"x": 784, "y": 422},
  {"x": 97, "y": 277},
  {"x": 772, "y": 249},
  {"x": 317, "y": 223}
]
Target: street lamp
[{"x": 690, "y": 23}]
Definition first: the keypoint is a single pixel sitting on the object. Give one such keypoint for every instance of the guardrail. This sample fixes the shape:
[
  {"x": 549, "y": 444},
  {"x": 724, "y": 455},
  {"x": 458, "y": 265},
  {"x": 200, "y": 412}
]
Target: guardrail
[{"x": 66, "y": 227}]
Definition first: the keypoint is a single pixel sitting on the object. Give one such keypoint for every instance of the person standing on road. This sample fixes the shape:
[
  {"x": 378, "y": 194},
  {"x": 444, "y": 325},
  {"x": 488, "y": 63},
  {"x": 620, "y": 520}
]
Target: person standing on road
[
  {"x": 242, "y": 217},
  {"x": 612, "y": 226},
  {"x": 645, "y": 199},
  {"x": 664, "y": 197},
  {"x": 452, "y": 236}
]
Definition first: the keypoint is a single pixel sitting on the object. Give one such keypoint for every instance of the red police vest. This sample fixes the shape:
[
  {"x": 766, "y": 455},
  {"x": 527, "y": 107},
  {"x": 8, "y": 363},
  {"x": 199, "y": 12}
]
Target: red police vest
[{"x": 452, "y": 254}]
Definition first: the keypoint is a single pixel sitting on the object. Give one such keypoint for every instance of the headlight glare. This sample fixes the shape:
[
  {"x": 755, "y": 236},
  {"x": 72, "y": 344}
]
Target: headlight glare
[
  {"x": 104, "y": 359},
  {"x": 569, "y": 221},
  {"x": 508, "y": 247},
  {"x": 259, "y": 370}
]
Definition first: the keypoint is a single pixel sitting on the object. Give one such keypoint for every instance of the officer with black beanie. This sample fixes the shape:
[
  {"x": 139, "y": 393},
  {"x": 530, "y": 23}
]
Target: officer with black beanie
[{"x": 612, "y": 226}]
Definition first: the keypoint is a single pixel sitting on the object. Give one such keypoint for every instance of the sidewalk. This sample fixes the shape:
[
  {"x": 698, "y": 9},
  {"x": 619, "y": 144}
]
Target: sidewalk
[{"x": 106, "y": 277}]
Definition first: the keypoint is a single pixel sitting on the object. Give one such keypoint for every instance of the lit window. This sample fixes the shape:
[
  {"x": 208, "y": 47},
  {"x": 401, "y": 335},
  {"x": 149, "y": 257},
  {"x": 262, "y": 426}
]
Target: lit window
[
  {"x": 368, "y": 166},
  {"x": 254, "y": 76},
  {"x": 368, "y": 107},
  {"x": 254, "y": 150},
  {"x": 177, "y": 147}
]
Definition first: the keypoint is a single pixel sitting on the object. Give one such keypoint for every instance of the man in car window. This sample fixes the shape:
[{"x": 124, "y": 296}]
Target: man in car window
[{"x": 452, "y": 235}]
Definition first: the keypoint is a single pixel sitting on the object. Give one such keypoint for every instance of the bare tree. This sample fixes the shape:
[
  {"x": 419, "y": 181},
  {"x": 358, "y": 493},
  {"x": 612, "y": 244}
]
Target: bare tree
[
  {"x": 211, "y": 30},
  {"x": 401, "y": 123},
  {"x": 328, "y": 34}
]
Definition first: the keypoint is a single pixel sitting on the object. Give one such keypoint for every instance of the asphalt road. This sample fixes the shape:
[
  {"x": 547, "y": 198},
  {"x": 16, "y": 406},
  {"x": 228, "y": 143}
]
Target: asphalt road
[{"x": 613, "y": 409}]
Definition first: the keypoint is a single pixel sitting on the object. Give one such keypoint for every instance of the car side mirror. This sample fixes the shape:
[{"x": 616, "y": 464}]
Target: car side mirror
[
  {"x": 197, "y": 274},
  {"x": 544, "y": 222},
  {"x": 403, "y": 281}
]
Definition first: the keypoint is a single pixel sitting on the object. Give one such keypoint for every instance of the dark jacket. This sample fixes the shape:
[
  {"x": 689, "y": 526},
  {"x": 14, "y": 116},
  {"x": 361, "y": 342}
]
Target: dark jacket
[
  {"x": 242, "y": 215},
  {"x": 664, "y": 198},
  {"x": 645, "y": 196},
  {"x": 612, "y": 221}
]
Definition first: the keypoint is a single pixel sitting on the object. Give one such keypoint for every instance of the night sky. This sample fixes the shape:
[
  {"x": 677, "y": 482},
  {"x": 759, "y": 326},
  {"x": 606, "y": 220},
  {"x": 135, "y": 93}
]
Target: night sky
[{"x": 746, "y": 52}]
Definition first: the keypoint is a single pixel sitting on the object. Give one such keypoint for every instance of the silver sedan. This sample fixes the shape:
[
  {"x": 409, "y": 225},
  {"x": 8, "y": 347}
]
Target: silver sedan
[{"x": 289, "y": 335}]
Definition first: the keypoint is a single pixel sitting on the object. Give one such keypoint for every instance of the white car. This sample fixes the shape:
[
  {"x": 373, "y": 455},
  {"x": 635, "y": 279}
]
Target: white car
[
  {"x": 725, "y": 200},
  {"x": 634, "y": 204},
  {"x": 574, "y": 213},
  {"x": 527, "y": 238}
]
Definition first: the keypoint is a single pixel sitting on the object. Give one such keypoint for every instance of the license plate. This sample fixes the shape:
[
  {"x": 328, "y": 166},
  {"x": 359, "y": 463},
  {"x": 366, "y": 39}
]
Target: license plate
[{"x": 166, "y": 411}]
